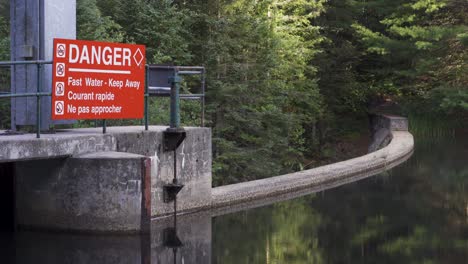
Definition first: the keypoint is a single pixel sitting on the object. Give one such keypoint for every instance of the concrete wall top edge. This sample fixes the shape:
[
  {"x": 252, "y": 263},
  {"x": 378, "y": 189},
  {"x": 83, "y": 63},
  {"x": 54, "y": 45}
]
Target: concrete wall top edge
[
  {"x": 72, "y": 142},
  {"x": 109, "y": 155}
]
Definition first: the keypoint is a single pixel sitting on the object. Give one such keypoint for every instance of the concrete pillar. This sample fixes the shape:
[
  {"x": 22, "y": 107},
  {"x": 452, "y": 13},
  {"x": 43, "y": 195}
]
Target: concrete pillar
[
  {"x": 34, "y": 24},
  {"x": 193, "y": 168},
  {"x": 97, "y": 192}
]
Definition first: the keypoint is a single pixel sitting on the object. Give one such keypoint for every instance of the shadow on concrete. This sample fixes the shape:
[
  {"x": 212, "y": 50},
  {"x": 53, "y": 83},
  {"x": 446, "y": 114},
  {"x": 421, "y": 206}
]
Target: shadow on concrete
[{"x": 7, "y": 194}]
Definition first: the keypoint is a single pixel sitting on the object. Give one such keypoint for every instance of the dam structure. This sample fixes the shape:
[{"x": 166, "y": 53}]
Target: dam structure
[{"x": 84, "y": 180}]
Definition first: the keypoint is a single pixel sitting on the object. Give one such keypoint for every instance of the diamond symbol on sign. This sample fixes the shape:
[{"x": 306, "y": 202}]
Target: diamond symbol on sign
[{"x": 138, "y": 56}]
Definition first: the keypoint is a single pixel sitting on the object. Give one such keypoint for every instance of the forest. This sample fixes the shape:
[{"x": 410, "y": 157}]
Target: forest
[{"x": 290, "y": 81}]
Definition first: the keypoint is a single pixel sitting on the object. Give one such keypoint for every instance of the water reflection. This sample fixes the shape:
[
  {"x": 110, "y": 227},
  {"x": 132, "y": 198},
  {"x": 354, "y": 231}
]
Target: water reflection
[
  {"x": 283, "y": 233},
  {"x": 416, "y": 213},
  {"x": 188, "y": 242},
  {"x": 194, "y": 235},
  {"x": 56, "y": 248}
]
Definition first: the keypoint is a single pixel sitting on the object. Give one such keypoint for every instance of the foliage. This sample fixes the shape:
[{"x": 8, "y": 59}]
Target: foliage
[
  {"x": 262, "y": 91},
  {"x": 4, "y": 73},
  {"x": 421, "y": 47},
  {"x": 4, "y": 39},
  {"x": 158, "y": 24},
  {"x": 92, "y": 25},
  {"x": 287, "y": 79}
]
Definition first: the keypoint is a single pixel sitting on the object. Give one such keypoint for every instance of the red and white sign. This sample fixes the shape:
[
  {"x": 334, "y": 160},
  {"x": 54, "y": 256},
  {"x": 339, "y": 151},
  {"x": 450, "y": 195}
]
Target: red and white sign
[{"x": 97, "y": 80}]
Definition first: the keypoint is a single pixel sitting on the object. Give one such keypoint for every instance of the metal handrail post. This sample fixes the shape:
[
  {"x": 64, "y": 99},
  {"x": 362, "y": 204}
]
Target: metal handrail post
[
  {"x": 175, "y": 100},
  {"x": 203, "y": 98},
  {"x": 38, "y": 102},
  {"x": 104, "y": 126},
  {"x": 146, "y": 96}
]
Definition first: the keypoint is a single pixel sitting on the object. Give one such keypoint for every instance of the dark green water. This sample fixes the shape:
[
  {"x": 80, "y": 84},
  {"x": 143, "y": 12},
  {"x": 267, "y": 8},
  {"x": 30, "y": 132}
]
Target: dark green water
[{"x": 416, "y": 213}]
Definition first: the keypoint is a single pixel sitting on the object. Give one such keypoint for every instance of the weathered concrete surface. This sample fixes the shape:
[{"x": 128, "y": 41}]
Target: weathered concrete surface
[
  {"x": 193, "y": 167},
  {"x": 193, "y": 171},
  {"x": 27, "y": 147},
  {"x": 68, "y": 142},
  {"x": 390, "y": 122},
  {"x": 380, "y": 139},
  {"x": 381, "y": 126},
  {"x": 399, "y": 150},
  {"x": 96, "y": 192}
]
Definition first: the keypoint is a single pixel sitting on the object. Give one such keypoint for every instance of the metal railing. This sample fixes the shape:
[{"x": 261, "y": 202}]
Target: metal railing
[
  {"x": 180, "y": 70},
  {"x": 165, "y": 91},
  {"x": 38, "y": 94}
]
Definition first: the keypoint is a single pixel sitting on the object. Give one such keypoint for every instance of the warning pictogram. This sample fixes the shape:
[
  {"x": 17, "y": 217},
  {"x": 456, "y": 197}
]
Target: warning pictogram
[
  {"x": 97, "y": 80},
  {"x": 59, "y": 107},
  {"x": 61, "y": 49},
  {"x": 60, "y": 70},
  {"x": 59, "y": 88}
]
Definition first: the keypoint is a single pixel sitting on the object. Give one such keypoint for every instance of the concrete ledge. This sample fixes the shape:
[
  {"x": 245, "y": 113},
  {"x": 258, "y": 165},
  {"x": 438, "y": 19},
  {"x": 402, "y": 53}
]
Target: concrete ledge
[
  {"x": 70, "y": 142},
  {"x": 399, "y": 149},
  {"x": 27, "y": 147}
]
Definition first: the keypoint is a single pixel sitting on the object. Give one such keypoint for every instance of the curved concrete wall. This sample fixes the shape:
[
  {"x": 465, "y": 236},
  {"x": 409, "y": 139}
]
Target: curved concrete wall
[{"x": 397, "y": 151}]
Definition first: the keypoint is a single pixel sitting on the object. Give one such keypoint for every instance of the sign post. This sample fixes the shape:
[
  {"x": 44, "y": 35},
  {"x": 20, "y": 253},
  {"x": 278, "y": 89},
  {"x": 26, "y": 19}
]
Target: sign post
[{"x": 97, "y": 80}]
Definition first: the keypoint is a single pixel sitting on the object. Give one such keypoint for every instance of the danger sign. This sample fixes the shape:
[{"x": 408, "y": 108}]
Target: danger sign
[{"x": 97, "y": 80}]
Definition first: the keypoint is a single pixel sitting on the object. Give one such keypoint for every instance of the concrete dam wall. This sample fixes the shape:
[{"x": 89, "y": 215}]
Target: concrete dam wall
[
  {"x": 392, "y": 144},
  {"x": 83, "y": 180},
  {"x": 86, "y": 181}
]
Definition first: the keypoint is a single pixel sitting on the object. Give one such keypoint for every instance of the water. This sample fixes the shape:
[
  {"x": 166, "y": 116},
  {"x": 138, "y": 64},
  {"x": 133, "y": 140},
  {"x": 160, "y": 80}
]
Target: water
[{"x": 416, "y": 213}]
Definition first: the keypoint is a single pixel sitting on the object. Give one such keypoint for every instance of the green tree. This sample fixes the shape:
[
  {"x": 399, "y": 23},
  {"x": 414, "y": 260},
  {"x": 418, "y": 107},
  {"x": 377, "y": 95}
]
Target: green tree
[
  {"x": 92, "y": 25},
  {"x": 420, "y": 50},
  {"x": 261, "y": 87},
  {"x": 4, "y": 72},
  {"x": 159, "y": 24}
]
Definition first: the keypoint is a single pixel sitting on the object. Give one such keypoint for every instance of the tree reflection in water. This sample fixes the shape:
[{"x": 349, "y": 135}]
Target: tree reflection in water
[{"x": 416, "y": 213}]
